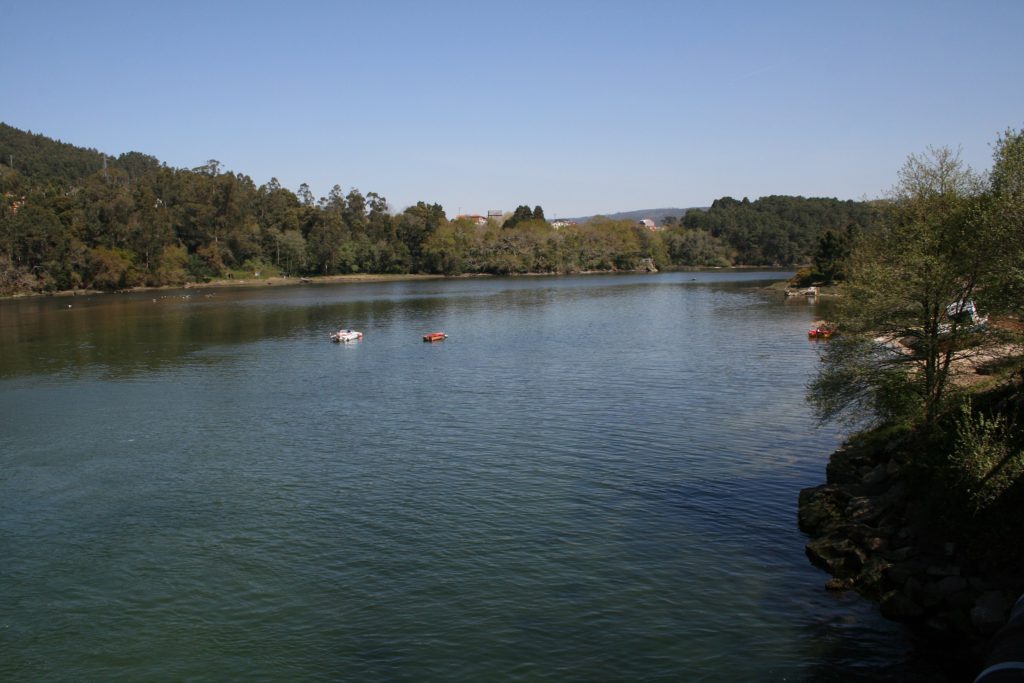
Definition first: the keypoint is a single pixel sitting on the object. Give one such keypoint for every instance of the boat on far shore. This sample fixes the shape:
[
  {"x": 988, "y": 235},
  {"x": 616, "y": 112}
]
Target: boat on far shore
[
  {"x": 344, "y": 335},
  {"x": 822, "y": 331}
]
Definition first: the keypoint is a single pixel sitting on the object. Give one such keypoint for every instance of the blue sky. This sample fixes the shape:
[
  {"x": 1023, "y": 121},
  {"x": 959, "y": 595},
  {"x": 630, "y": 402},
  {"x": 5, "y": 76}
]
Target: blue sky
[{"x": 581, "y": 107}]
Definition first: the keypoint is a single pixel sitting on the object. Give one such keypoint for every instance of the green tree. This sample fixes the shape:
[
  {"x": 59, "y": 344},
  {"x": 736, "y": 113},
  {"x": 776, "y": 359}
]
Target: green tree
[
  {"x": 379, "y": 223},
  {"x": 1005, "y": 218},
  {"x": 905, "y": 316},
  {"x": 415, "y": 225},
  {"x": 833, "y": 249},
  {"x": 173, "y": 265},
  {"x": 695, "y": 247},
  {"x": 277, "y": 212},
  {"x": 355, "y": 212},
  {"x": 292, "y": 255},
  {"x": 520, "y": 215},
  {"x": 325, "y": 245},
  {"x": 335, "y": 200},
  {"x": 211, "y": 168},
  {"x": 305, "y": 195},
  {"x": 112, "y": 268}
]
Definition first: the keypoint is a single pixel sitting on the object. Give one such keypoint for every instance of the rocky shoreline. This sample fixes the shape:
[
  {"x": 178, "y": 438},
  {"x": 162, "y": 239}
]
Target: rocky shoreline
[{"x": 864, "y": 531}]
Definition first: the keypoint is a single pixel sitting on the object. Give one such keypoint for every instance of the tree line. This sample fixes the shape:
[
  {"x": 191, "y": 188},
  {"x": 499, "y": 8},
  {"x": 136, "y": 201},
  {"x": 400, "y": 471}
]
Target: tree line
[
  {"x": 76, "y": 218},
  {"x": 780, "y": 230}
]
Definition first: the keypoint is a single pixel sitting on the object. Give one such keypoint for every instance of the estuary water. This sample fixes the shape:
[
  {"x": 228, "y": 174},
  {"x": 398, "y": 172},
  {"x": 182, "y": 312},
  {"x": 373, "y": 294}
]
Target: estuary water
[{"x": 594, "y": 478}]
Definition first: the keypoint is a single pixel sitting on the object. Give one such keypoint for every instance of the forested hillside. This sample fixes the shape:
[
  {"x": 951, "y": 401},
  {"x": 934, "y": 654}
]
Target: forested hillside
[
  {"x": 780, "y": 230},
  {"x": 76, "y": 218},
  {"x": 41, "y": 158}
]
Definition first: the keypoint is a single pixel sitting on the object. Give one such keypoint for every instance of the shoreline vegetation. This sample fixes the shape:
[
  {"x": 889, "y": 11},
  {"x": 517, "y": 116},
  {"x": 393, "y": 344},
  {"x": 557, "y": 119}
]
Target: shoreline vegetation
[
  {"x": 921, "y": 508},
  {"x": 78, "y": 219},
  {"x": 251, "y": 282},
  {"x": 254, "y": 282}
]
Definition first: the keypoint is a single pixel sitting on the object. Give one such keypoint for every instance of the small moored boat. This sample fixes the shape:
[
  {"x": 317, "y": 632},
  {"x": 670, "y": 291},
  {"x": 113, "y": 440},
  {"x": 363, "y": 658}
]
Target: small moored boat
[
  {"x": 435, "y": 336},
  {"x": 820, "y": 332},
  {"x": 346, "y": 336}
]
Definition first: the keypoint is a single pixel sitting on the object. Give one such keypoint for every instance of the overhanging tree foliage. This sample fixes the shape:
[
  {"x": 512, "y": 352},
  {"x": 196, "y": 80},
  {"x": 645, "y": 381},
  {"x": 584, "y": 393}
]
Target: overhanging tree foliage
[
  {"x": 1005, "y": 215},
  {"x": 907, "y": 315}
]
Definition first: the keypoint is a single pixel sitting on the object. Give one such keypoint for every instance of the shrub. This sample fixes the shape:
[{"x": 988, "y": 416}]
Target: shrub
[{"x": 984, "y": 461}]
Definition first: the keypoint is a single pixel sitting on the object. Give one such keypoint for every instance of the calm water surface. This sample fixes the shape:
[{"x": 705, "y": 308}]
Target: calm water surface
[{"x": 593, "y": 478}]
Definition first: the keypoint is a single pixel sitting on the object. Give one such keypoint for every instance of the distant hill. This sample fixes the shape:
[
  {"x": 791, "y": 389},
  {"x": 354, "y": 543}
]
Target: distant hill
[
  {"x": 656, "y": 215},
  {"x": 37, "y": 156}
]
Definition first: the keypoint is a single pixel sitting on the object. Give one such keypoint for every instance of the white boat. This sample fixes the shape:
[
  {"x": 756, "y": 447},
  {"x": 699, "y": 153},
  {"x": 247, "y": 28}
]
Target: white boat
[{"x": 346, "y": 336}]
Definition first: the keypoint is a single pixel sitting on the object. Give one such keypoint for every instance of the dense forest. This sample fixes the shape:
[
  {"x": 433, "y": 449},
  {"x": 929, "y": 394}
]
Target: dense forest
[
  {"x": 779, "y": 230},
  {"x": 77, "y": 218}
]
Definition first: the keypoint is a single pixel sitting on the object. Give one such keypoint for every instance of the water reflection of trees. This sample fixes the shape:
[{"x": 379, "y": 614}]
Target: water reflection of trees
[{"x": 121, "y": 336}]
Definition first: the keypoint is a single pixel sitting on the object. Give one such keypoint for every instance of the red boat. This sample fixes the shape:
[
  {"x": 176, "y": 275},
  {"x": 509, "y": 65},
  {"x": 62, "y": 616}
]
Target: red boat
[
  {"x": 820, "y": 332},
  {"x": 435, "y": 336}
]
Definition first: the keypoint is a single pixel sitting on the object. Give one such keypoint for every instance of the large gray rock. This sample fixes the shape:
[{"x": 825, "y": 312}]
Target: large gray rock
[
  {"x": 875, "y": 477},
  {"x": 837, "y": 555},
  {"x": 820, "y": 508},
  {"x": 951, "y": 585},
  {"x": 989, "y": 611},
  {"x": 901, "y": 554},
  {"x": 898, "y": 606}
]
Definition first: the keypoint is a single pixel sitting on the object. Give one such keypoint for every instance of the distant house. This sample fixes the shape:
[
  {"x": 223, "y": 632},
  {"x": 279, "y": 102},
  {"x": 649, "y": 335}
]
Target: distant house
[
  {"x": 476, "y": 218},
  {"x": 495, "y": 214},
  {"x": 556, "y": 224},
  {"x": 15, "y": 203},
  {"x": 648, "y": 223}
]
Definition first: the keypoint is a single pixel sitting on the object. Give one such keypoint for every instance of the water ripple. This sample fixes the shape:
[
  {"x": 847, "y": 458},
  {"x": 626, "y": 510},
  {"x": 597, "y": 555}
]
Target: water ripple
[{"x": 591, "y": 479}]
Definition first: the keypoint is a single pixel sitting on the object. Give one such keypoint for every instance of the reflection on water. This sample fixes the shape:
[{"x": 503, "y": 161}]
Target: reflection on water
[{"x": 593, "y": 478}]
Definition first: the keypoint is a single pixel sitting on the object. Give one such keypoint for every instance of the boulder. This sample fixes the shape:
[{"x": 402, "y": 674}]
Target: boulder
[
  {"x": 899, "y": 573},
  {"x": 944, "y": 590},
  {"x": 892, "y": 468},
  {"x": 939, "y": 571},
  {"x": 901, "y": 554},
  {"x": 820, "y": 508},
  {"x": 837, "y": 555},
  {"x": 989, "y": 612},
  {"x": 875, "y": 477},
  {"x": 952, "y": 584},
  {"x": 898, "y": 606},
  {"x": 838, "y": 585},
  {"x": 863, "y": 509},
  {"x": 872, "y": 580}
]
